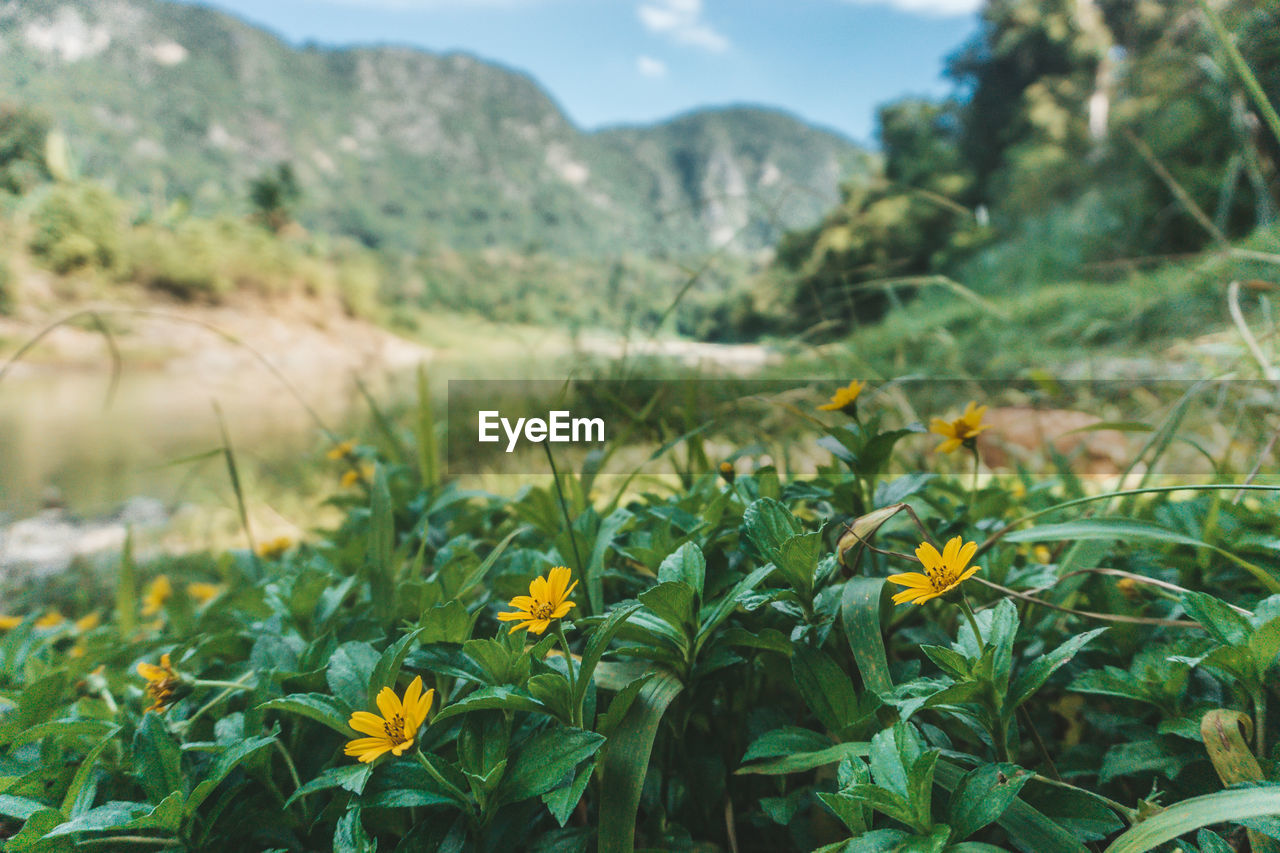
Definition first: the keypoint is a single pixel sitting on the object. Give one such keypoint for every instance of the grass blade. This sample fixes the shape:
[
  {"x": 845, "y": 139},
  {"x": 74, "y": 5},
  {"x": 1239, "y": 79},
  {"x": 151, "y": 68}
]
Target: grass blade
[{"x": 626, "y": 761}]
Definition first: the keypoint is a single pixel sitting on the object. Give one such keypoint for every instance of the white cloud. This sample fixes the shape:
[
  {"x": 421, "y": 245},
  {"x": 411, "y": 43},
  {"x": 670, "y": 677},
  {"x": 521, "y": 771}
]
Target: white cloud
[
  {"x": 682, "y": 21},
  {"x": 650, "y": 67},
  {"x": 932, "y": 8}
]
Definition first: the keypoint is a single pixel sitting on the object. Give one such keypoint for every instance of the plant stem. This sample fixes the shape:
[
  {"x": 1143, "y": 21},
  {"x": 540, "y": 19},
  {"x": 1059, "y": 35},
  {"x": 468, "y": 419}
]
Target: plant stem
[
  {"x": 1128, "y": 814},
  {"x": 445, "y": 783},
  {"x": 576, "y": 709},
  {"x": 231, "y": 687},
  {"x": 973, "y": 622},
  {"x": 564, "y": 509},
  {"x": 1241, "y": 66},
  {"x": 1260, "y": 723},
  {"x": 973, "y": 487}
]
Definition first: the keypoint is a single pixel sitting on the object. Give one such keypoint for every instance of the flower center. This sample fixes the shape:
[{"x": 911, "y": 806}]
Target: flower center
[
  {"x": 394, "y": 728},
  {"x": 962, "y": 429},
  {"x": 542, "y": 610}
]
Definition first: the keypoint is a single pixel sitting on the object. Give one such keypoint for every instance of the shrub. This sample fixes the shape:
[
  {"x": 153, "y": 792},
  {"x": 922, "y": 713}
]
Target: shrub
[
  {"x": 7, "y": 288},
  {"x": 78, "y": 225}
]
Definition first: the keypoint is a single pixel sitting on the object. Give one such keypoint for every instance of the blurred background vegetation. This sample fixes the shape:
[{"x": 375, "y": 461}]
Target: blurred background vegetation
[{"x": 1102, "y": 171}]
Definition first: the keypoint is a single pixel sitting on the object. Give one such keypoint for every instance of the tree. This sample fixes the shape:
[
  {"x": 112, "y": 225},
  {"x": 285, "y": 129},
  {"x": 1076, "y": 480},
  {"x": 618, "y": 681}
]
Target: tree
[
  {"x": 23, "y": 136},
  {"x": 275, "y": 196}
]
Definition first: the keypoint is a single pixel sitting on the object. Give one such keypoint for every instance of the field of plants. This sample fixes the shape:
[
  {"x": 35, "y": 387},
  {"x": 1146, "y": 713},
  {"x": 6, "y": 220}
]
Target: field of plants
[{"x": 724, "y": 659}]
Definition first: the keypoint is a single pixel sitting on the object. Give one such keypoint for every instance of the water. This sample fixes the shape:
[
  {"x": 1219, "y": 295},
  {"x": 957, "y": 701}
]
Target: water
[{"x": 61, "y": 432}]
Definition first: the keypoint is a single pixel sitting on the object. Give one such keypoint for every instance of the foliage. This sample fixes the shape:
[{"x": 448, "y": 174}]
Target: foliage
[
  {"x": 23, "y": 136},
  {"x": 275, "y": 196},
  {"x": 78, "y": 225},
  {"x": 732, "y": 672},
  {"x": 1085, "y": 132}
]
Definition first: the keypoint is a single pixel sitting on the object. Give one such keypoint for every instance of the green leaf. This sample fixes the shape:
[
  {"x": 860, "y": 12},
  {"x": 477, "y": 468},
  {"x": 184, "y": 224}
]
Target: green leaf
[
  {"x": 157, "y": 759},
  {"x": 982, "y": 796},
  {"x": 314, "y": 706},
  {"x": 229, "y": 759},
  {"x": 686, "y": 565},
  {"x": 562, "y": 801},
  {"x": 349, "y": 777},
  {"x": 949, "y": 661},
  {"x": 886, "y": 802},
  {"x": 673, "y": 603},
  {"x": 1210, "y": 842},
  {"x": 768, "y": 524},
  {"x": 481, "y": 571},
  {"x": 597, "y": 643},
  {"x": 34, "y": 831},
  {"x": 552, "y": 690},
  {"x": 1142, "y": 756},
  {"x": 725, "y": 605},
  {"x": 893, "y": 750},
  {"x": 36, "y": 703},
  {"x": 388, "y": 667},
  {"x": 1124, "y": 529},
  {"x": 850, "y": 810},
  {"x": 626, "y": 762},
  {"x": 1029, "y": 829},
  {"x": 920, "y": 788},
  {"x": 799, "y": 762},
  {"x": 19, "y": 807},
  {"x": 349, "y": 835},
  {"x": 797, "y": 561},
  {"x": 608, "y": 531},
  {"x": 65, "y": 728},
  {"x": 382, "y": 545},
  {"x": 348, "y": 673},
  {"x": 618, "y": 706},
  {"x": 1188, "y": 815},
  {"x": 1223, "y": 624},
  {"x": 446, "y": 623},
  {"x": 545, "y": 761},
  {"x": 1035, "y": 675},
  {"x": 825, "y": 688},
  {"x": 860, "y": 615},
  {"x": 117, "y": 815},
  {"x": 488, "y": 699},
  {"x": 785, "y": 741}
]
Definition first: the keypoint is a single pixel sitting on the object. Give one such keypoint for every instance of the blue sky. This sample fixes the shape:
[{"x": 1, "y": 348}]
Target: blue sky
[{"x": 626, "y": 61}]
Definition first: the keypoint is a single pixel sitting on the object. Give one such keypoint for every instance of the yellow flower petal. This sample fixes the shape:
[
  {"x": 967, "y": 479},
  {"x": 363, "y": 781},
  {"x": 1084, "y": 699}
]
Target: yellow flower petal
[
  {"x": 928, "y": 555},
  {"x": 370, "y": 724},
  {"x": 388, "y": 703},
  {"x": 911, "y": 579}
]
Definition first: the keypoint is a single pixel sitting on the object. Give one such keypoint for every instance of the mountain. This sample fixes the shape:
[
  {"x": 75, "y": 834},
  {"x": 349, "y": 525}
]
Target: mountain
[{"x": 396, "y": 146}]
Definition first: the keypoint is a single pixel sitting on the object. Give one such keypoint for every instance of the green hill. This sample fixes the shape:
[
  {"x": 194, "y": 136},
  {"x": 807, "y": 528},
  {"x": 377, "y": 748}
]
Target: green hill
[{"x": 400, "y": 147}]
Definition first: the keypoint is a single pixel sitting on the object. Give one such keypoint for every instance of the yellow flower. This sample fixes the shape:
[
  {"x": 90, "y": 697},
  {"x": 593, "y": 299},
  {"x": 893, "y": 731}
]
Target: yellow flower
[
  {"x": 845, "y": 399},
  {"x": 8, "y": 623},
  {"x": 273, "y": 548},
  {"x": 51, "y": 619},
  {"x": 88, "y": 623},
  {"x": 395, "y": 730},
  {"x": 341, "y": 450},
  {"x": 942, "y": 572},
  {"x": 962, "y": 431},
  {"x": 547, "y": 600},
  {"x": 157, "y": 594},
  {"x": 163, "y": 683},
  {"x": 727, "y": 472},
  {"x": 1042, "y": 554},
  {"x": 351, "y": 476},
  {"x": 76, "y": 651},
  {"x": 1129, "y": 588},
  {"x": 202, "y": 593}
]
